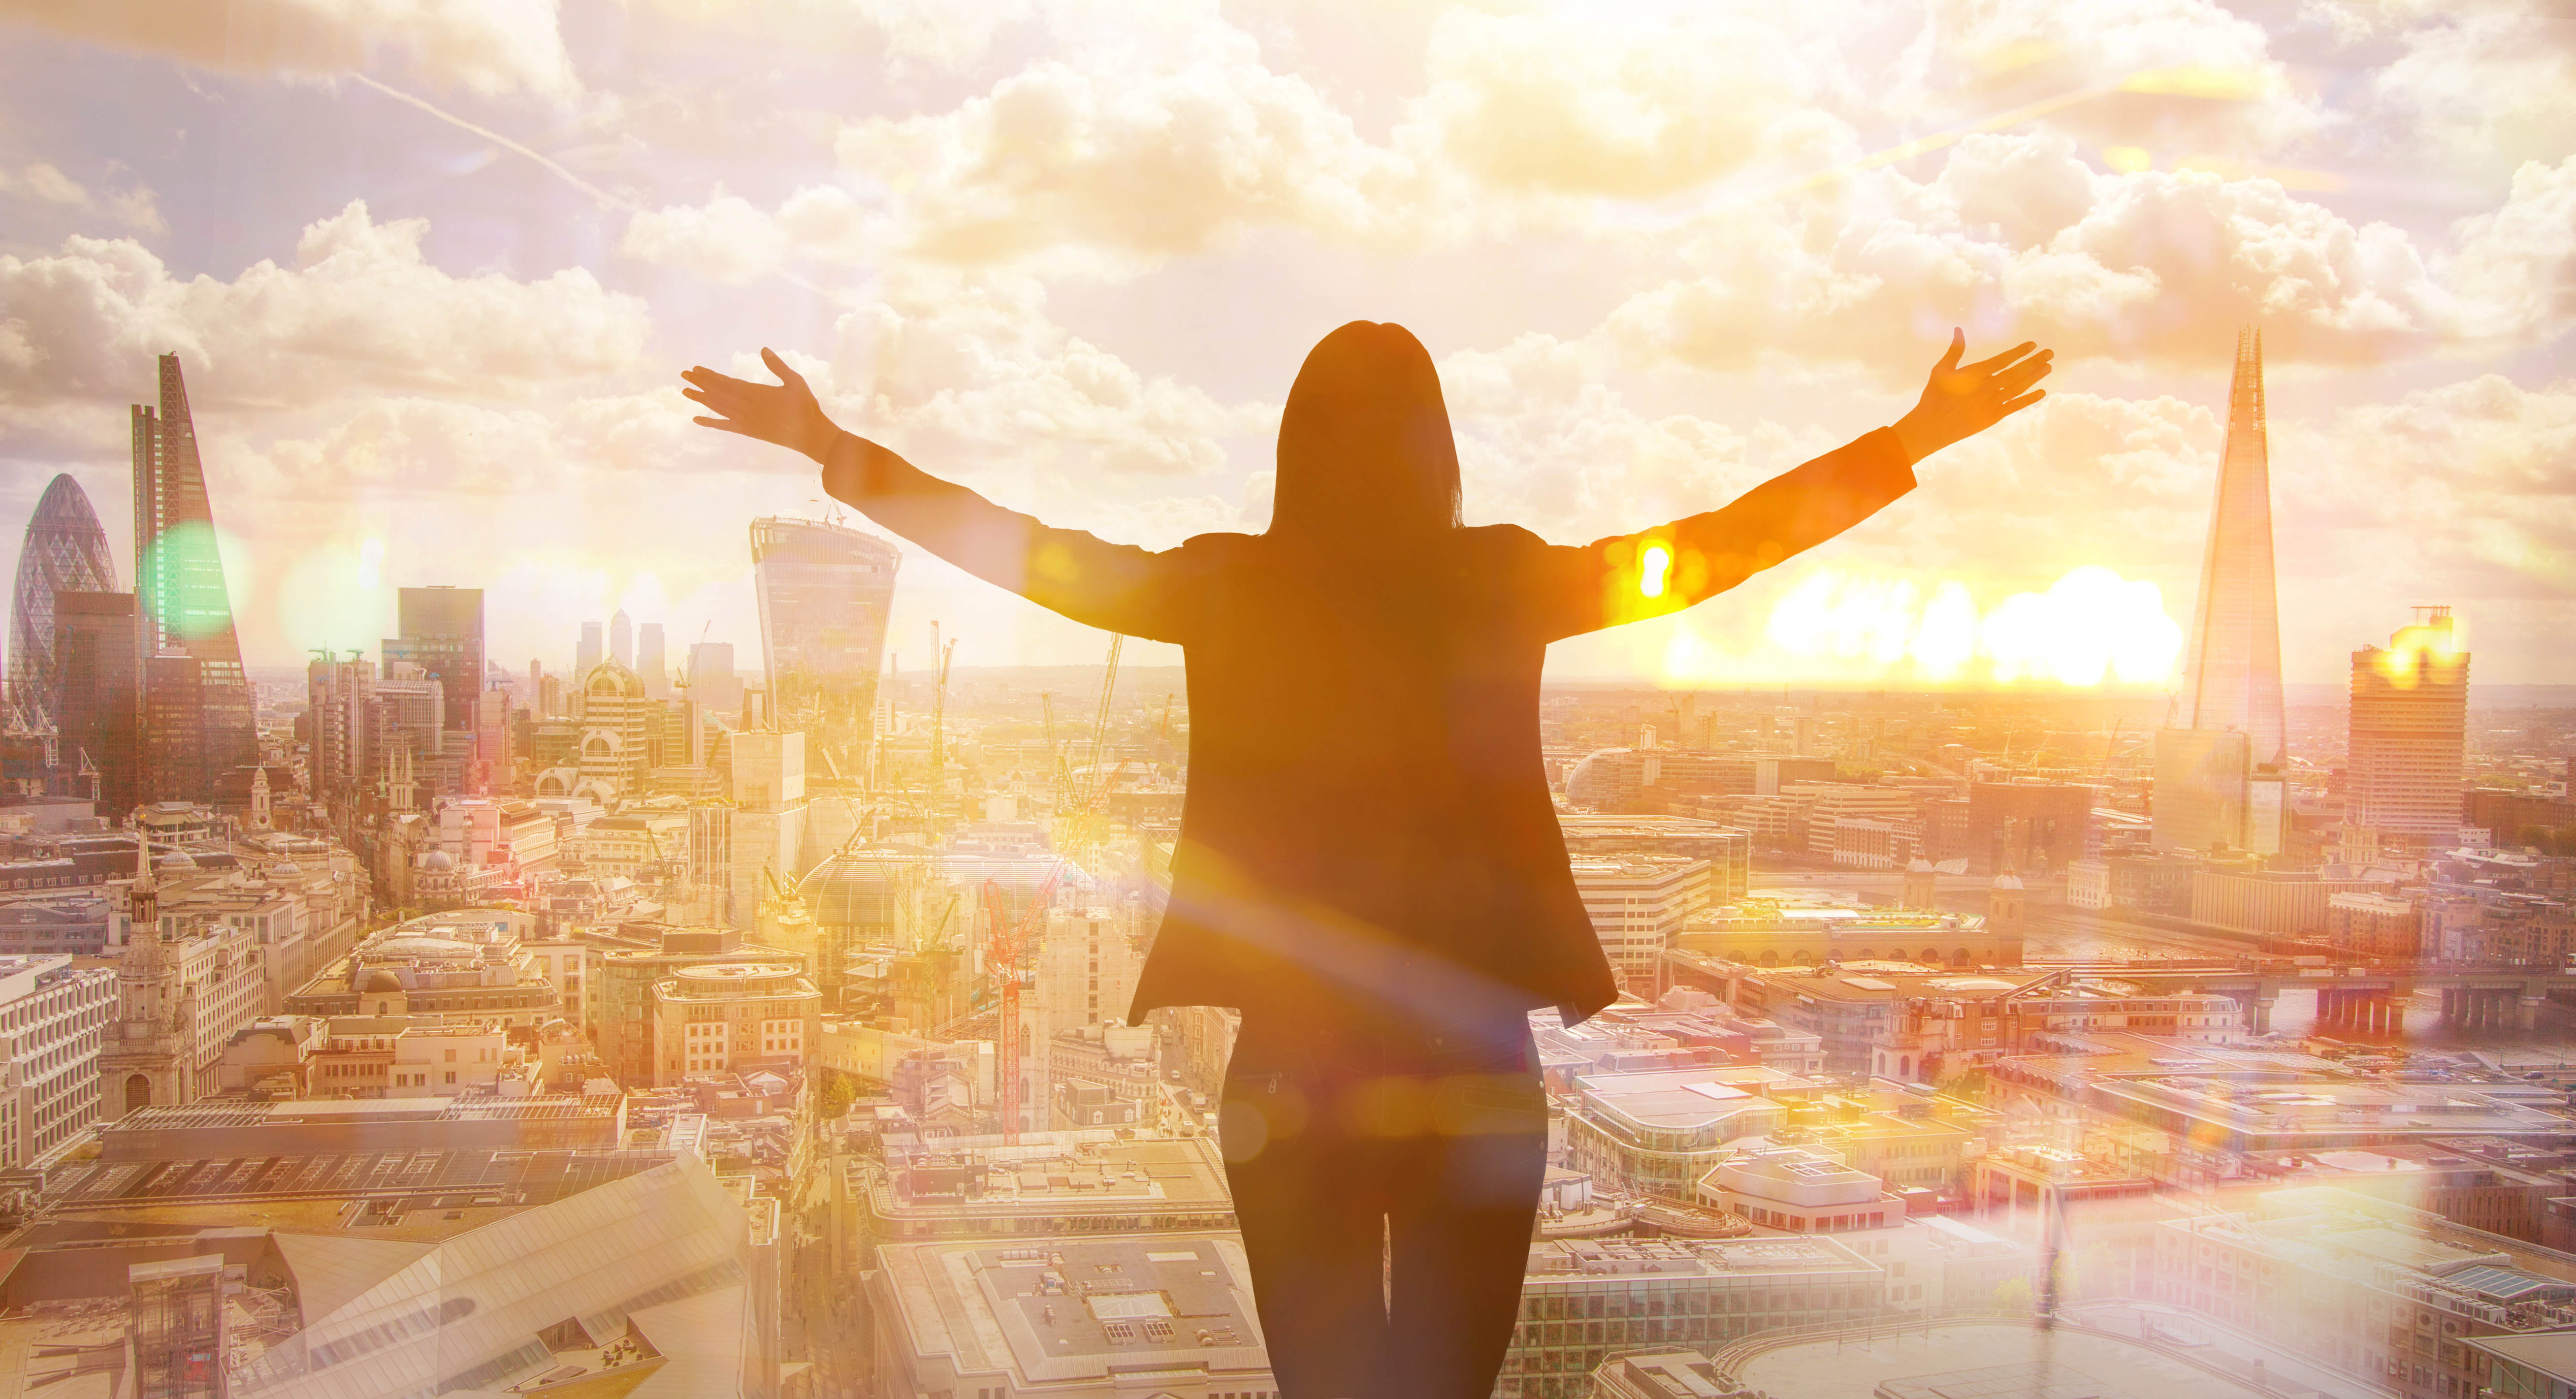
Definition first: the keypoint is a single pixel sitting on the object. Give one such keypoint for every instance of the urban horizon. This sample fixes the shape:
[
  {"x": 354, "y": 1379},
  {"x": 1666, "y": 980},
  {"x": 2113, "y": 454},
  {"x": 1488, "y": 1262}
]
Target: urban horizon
[{"x": 508, "y": 893}]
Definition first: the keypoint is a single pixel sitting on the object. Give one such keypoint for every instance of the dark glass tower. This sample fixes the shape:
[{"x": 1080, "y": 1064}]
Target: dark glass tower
[
  {"x": 178, "y": 577},
  {"x": 100, "y": 698},
  {"x": 824, "y": 594},
  {"x": 442, "y": 633},
  {"x": 65, "y": 552}
]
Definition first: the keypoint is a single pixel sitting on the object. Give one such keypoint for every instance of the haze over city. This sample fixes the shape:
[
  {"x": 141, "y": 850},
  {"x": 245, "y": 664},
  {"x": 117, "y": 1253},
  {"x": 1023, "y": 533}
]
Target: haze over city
[
  {"x": 431, "y": 276},
  {"x": 1821, "y": 701}
]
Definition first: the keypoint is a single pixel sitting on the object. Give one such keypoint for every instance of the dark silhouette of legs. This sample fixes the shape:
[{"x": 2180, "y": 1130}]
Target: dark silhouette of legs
[{"x": 1364, "y": 1166}]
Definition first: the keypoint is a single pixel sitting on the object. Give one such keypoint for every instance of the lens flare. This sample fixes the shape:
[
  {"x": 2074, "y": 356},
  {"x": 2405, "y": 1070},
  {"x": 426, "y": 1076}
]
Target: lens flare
[
  {"x": 1653, "y": 569},
  {"x": 2090, "y": 626}
]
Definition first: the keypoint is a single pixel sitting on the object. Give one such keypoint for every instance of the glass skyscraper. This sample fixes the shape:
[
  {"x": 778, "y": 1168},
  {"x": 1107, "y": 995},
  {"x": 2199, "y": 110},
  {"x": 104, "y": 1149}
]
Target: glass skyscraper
[
  {"x": 824, "y": 594},
  {"x": 178, "y": 577},
  {"x": 2218, "y": 767},
  {"x": 65, "y": 552}
]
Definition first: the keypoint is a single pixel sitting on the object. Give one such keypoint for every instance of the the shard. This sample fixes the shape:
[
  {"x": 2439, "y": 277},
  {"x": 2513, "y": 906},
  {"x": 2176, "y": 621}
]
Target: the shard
[
  {"x": 2232, "y": 673},
  {"x": 179, "y": 578},
  {"x": 65, "y": 552},
  {"x": 2218, "y": 767}
]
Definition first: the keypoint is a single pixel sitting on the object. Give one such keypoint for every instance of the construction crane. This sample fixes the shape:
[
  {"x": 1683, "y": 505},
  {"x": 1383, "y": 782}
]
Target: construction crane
[
  {"x": 939, "y": 655},
  {"x": 1008, "y": 947}
]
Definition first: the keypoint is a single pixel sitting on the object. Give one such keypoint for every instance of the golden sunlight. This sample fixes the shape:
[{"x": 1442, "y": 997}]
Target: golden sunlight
[{"x": 2090, "y": 626}]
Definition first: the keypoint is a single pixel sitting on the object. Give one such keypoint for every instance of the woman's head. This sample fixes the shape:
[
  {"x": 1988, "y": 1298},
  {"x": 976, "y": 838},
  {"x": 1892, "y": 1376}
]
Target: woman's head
[{"x": 1365, "y": 455}]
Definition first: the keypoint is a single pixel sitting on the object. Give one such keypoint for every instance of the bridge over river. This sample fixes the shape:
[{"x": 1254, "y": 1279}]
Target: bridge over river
[{"x": 2365, "y": 998}]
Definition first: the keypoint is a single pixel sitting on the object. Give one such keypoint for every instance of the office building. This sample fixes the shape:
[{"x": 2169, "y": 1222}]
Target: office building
[
  {"x": 625, "y": 1016},
  {"x": 442, "y": 633},
  {"x": 2409, "y": 725},
  {"x": 2231, "y": 679},
  {"x": 589, "y": 653},
  {"x": 621, "y": 639},
  {"x": 65, "y": 551},
  {"x": 1728, "y": 851},
  {"x": 712, "y": 681},
  {"x": 650, "y": 661},
  {"x": 1637, "y": 904},
  {"x": 1583, "y": 1300},
  {"x": 100, "y": 708},
  {"x": 734, "y": 1017},
  {"x": 181, "y": 602},
  {"x": 52, "y": 1018},
  {"x": 1068, "y": 1318},
  {"x": 824, "y": 591},
  {"x": 176, "y": 744}
]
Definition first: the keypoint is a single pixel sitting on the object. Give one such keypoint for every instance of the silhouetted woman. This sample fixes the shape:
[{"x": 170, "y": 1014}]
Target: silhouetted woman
[{"x": 1369, "y": 863}]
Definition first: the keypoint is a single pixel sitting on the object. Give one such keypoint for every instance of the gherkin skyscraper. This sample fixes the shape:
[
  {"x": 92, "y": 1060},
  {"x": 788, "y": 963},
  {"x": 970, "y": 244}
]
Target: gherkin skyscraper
[
  {"x": 179, "y": 581},
  {"x": 65, "y": 552}
]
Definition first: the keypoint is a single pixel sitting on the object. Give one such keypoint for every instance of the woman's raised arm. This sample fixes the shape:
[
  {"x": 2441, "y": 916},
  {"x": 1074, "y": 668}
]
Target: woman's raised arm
[
  {"x": 1116, "y": 587},
  {"x": 1630, "y": 577}
]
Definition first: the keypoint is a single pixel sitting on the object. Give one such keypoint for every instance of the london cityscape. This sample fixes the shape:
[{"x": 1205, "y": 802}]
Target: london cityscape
[{"x": 2123, "y": 956}]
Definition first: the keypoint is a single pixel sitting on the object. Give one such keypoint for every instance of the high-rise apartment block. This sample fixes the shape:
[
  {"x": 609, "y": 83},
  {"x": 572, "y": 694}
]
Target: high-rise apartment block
[
  {"x": 179, "y": 579},
  {"x": 65, "y": 551},
  {"x": 825, "y": 591},
  {"x": 2409, "y": 725},
  {"x": 2210, "y": 789}
]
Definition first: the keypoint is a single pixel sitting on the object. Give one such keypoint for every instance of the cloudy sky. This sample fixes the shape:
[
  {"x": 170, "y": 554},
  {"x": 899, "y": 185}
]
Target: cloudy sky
[{"x": 432, "y": 265}]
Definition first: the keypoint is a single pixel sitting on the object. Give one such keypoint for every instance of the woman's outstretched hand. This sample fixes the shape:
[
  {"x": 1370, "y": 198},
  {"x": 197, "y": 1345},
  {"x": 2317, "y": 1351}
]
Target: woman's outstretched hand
[
  {"x": 784, "y": 412},
  {"x": 1962, "y": 400}
]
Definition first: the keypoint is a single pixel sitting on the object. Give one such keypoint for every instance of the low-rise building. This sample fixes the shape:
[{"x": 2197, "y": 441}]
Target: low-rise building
[
  {"x": 1657, "y": 1133},
  {"x": 730, "y": 1016},
  {"x": 54, "y": 1018},
  {"x": 1583, "y": 1299},
  {"x": 1074, "y": 1318},
  {"x": 1799, "y": 1191}
]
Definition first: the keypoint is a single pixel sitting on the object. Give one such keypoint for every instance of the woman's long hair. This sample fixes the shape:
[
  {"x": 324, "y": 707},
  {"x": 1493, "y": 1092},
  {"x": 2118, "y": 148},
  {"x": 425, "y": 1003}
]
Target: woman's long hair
[{"x": 1366, "y": 463}]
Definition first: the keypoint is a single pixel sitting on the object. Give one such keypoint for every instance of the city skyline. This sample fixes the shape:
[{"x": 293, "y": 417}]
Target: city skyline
[{"x": 2376, "y": 194}]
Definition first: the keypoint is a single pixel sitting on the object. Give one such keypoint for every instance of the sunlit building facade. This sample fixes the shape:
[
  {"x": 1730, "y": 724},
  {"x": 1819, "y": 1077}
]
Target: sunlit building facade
[
  {"x": 2205, "y": 795},
  {"x": 2408, "y": 740},
  {"x": 824, "y": 594}
]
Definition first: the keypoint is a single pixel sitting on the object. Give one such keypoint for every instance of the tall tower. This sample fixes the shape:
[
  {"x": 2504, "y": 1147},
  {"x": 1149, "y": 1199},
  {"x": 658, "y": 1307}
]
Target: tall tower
[
  {"x": 442, "y": 633},
  {"x": 178, "y": 577},
  {"x": 65, "y": 552},
  {"x": 2219, "y": 768},
  {"x": 621, "y": 640},
  {"x": 824, "y": 594},
  {"x": 2409, "y": 734},
  {"x": 587, "y": 654},
  {"x": 650, "y": 662},
  {"x": 2232, "y": 673}
]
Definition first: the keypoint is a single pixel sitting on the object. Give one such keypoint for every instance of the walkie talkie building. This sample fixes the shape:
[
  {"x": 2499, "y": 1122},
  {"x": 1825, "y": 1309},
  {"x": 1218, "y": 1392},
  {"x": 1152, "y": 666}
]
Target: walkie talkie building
[{"x": 824, "y": 593}]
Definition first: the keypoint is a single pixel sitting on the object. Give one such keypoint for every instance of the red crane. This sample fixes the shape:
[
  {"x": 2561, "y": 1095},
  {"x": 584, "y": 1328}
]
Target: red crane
[{"x": 1007, "y": 953}]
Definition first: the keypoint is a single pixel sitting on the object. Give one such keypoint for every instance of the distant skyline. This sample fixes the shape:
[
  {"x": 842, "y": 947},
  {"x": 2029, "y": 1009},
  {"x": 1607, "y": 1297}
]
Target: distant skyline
[{"x": 431, "y": 283}]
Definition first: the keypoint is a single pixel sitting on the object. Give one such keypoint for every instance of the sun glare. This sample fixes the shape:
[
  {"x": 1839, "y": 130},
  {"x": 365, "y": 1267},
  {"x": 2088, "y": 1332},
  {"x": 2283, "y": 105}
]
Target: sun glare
[
  {"x": 2089, "y": 627},
  {"x": 1653, "y": 569}
]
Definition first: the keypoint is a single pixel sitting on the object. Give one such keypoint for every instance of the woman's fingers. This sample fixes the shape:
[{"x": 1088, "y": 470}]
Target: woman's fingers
[
  {"x": 2022, "y": 376},
  {"x": 1988, "y": 366},
  {"x": 786, "y": 374},
  {"x": 2015, "y": 405}
]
